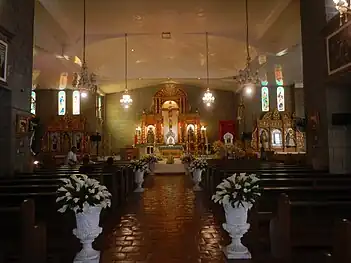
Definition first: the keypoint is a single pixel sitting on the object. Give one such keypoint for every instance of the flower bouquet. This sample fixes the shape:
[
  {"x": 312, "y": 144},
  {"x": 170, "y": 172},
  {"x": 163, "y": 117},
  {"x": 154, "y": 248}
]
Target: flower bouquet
[
  {"x": 187, "y": 158},
  {"x": 237, "y": 194},
  {"x": 198, "y": 164},
  {"x": 237, "y": 190},
  {"x": 79, "y": 192},
  {"x": 170, "y": 159},
  {"x": 138, "y": 165}
]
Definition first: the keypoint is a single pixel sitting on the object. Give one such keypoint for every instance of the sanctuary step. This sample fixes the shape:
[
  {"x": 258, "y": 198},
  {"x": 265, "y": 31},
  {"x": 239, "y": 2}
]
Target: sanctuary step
[{"x": 176, "y": 168}]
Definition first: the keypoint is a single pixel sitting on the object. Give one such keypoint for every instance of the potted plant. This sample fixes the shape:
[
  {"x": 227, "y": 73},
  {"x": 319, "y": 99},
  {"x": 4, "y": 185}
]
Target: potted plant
[
  {"x": 186, "y": 160},
  {"x": 170, "y": 159},
  {"x": 237, "y": 194},
  {"x": 139, "y": 167},
  {"x": 85, "y": 197},
  {"x": 197, "y": 167}
]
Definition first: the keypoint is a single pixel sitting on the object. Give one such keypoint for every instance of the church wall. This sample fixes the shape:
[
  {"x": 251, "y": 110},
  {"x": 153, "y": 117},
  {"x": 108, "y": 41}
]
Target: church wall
[
  {"x": 16, "y": 17},
  {"x": 121, "y": 124}
]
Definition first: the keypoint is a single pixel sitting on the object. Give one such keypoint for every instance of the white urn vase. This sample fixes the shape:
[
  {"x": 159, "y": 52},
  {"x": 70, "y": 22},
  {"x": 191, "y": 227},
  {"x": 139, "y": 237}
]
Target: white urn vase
[
  {"x": 139, "y": 179},
  {"x": 236, "y": 225},
  {"x": 197, "y": 179},
  {"x": 152, "y": 168},
  {"x": 87, "y": 230}
]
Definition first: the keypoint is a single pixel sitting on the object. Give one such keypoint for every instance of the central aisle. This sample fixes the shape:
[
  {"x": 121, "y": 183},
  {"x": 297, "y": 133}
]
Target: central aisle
[{"x": 167, "y": 223}]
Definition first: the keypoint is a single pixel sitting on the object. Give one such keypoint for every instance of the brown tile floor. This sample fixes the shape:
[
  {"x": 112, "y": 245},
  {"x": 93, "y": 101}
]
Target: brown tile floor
[{"x": 167, "y": 223}]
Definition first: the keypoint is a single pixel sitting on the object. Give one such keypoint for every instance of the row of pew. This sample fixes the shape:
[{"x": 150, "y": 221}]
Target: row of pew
[
  {"x": 29, "y": 212},
  {"x": 299, "y": 212}
]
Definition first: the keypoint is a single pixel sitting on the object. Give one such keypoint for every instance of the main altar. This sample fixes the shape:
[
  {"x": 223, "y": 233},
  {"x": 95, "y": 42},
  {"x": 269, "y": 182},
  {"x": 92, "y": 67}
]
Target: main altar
[{"x": 170, "y": 127}]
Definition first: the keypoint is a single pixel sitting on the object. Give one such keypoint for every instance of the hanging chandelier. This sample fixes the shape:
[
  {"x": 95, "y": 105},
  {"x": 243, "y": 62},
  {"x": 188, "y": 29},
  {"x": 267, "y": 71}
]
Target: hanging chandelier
[
  {"x": 126, "y": 100},
  {"x": 208, "y": 97},
  {"x": 246, "y": 78},
  {"x": 83, "y": 81},
  {"x": 343, "y": 7}
]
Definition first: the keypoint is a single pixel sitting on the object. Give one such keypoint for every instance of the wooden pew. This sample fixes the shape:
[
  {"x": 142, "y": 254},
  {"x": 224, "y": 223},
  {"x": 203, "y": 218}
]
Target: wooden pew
[
  {"x": 29, "y": 231},
  {"x": 289, "y": 231},
  {"x": 341, "y": 252}
]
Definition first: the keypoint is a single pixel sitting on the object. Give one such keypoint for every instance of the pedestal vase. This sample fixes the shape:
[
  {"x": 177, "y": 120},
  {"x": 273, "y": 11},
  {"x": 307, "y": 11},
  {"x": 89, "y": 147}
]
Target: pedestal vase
[
  {"x": 139, "y": 179},
  {"x": 197, "y": 179},
  {"x": 87, "y": 230},
  {"x": 236, "y": 225},
  {"x": 152, "y": 168}
]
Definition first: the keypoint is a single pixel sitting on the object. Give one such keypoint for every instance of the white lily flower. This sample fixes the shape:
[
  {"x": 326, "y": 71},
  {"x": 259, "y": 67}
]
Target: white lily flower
[
  {"x": 63, "y": 209},
  {"x": 58, "y": 199},
  {"x": 75, "y": 200},
  {"x": 62, "y": 189}
]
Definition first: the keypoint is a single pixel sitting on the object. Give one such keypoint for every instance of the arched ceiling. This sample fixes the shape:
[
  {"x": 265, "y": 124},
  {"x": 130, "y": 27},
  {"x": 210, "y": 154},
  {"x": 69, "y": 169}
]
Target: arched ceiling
[{"x": 152, "y": 59}]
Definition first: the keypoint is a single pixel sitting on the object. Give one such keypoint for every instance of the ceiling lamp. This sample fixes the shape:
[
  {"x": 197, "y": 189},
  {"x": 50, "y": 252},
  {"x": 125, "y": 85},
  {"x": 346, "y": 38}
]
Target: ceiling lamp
[
  {"x": 246, "y": 77},
  {"x": 208, "y": 97},
  {"x": 126, "y": 100},
  {"x": 83, "y": 81},
  {"x": 343, "y": 6}
]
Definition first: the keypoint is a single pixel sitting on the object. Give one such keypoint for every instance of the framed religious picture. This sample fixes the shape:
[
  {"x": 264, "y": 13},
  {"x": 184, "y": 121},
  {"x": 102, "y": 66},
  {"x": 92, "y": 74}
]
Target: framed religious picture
[
  {"x": 22, "y": 124},
  {"x": 3, "y": 61}
]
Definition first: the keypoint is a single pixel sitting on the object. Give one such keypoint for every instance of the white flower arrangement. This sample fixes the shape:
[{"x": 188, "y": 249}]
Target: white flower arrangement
[
  {"x": 140, "y": 165},
  {"x": 187, "y": 158},
  {"x": 151, "y": 158},
  {"x": 198, "y": 164},
  {"x": 78, "y": 192},
  {"x": 237, "y": 189}
]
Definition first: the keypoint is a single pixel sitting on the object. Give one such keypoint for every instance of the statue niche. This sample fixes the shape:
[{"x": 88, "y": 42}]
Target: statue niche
[{"x": 150, "y": 139}]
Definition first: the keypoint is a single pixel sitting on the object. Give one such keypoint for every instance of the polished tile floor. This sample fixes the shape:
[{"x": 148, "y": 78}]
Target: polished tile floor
[{"x": 167, "y": 223}]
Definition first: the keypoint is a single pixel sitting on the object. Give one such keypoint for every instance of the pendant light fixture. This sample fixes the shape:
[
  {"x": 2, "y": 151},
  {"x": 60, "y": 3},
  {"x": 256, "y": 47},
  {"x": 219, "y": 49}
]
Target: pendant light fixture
[
  {"x": 83, "y": 81},
  {"x": 208, "y": 97},
  {"x": 126, "y": 100},
  {"x": 246, "y": 78}
]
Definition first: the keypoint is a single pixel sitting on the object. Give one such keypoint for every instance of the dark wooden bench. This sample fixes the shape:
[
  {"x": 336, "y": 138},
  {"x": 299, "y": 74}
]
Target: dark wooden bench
[
  {"x": 20, "y": 229},
  {"x": 304, "y": 224}
]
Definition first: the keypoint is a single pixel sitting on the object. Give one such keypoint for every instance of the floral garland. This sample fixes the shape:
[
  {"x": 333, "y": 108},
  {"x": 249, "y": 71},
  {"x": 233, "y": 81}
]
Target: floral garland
[
  {"x": 79, "y": 192},
  {"x": 198, "y": 164},
  {"x": 237, "y": 189}
]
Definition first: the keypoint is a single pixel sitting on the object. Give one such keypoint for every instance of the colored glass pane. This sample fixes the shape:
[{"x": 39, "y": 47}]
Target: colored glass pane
[
  {"x": 62, "y": 103},
  {"x": 265, "y": 99},
  {"x": 280, "y": 99},
  {"x": 278, "y": 72},
  {"x": 33, "y": 102},
  {"x": 76, "y": 102}
]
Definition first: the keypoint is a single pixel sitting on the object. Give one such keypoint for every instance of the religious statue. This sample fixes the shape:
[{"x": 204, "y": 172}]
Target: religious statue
[
  {"x": 54, "y": 142},
  {"x": 66, "y": 142},
  {"x": 78, "y": 141},
  {"x": 150, "y": 136},
  {"x": 264, "y": 139},
  {"x": 289, "y": 139}
]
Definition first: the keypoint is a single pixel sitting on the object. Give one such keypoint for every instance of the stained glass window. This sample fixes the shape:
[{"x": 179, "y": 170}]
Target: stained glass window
[
  {"x": 265, "y": 99},
  {"x": 99, "y": 107},
  {"x": 280, "y": 99},
  {"x": 61, "y": 102},
  {"x": 33, "y": 102},
  {"x": 76, "y": 102},
  {"x": 278, "y": 72}
]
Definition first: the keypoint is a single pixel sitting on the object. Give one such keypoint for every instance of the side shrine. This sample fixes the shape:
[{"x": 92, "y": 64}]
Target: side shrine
[
  {"x": 170, "y": 128},
  {"x": 277, "y": 132}
]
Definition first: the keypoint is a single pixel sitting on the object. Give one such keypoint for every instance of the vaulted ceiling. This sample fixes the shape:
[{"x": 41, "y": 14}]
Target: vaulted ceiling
[{"x": 274, "y": 26}]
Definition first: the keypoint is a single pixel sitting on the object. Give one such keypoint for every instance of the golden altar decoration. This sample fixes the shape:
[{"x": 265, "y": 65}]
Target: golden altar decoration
[
  {"x": 64, "y": 132},
  {"x": 276, "y": 131},
  {"x": 170, "y": 126}
]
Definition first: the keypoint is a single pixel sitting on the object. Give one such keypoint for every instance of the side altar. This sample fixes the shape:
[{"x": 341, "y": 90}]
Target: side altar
[{"x": 170, "y": 128}]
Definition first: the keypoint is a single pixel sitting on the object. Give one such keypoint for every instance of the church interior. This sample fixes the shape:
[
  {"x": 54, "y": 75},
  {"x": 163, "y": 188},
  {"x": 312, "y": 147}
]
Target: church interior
[{"x": 244, "y": 86}]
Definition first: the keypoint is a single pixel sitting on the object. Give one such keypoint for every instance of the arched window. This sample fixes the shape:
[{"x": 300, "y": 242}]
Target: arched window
[
  {"x": 280, "y": 99},
  {"x": 61, "y": 102},
  {"x": 33, "y": 102},
  {"x": 265, "y": 99},
  {"x": 76, "y": 102}
]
